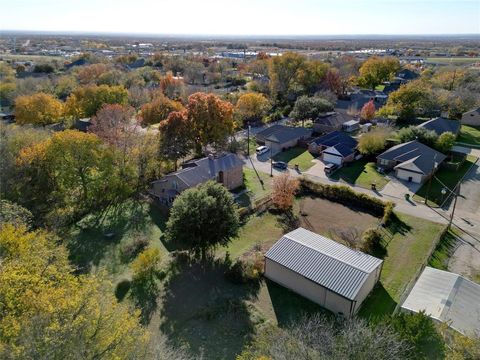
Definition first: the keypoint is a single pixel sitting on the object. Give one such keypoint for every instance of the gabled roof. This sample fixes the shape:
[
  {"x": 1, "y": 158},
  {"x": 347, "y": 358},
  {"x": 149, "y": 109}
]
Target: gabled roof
[
  {"x": 472, "y": 112},
  {"x": 414, "y": 152},
  {"x": 331, "y": 119},
  {"x": 201, "y": 170},
  {"x": 286, "y": 133},
  {"x": 342, "y": 150},
  {"x": 441, "y": 125},
  {"x": 336, "y": 138},
  {"x": 407, "y": 74},
  {"x": 447, "y": 297},
  {"x": 324, "y": 261}
]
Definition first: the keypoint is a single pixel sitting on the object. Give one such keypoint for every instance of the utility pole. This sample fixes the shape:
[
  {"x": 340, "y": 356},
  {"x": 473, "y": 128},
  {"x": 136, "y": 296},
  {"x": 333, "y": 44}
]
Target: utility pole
[
  {"x": 457, "y": 194},
  {"x": 271, "y": 162},
  {"x": 248, "y": 138},
  {"x": 430, "y": 180}
]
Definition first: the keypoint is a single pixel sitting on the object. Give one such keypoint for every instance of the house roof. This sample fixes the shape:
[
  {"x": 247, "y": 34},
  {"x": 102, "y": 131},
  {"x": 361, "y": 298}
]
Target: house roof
[
  {"x": 201, "y": 170},
  {"x": 416, "y": 153},
  {"x": 331, "y": 119},
  {"x": 447, "y": 297},
  {"x": 472, "y": 112},
  {"x": 287, "y": 133},
  {"x": 407, "y": 74},
  {"x": 441, "y": 125},
  {"x": 324, "y": 261},
  {"x": 336, "y": 138},
  {"x": 351, "y": 123},
  {"x": 341, "y": 149}
]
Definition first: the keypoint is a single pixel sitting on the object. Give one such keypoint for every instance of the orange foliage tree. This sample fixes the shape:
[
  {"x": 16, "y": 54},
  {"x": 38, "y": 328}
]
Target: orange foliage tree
[
  {"x": 284, "y": 188},
  {"x": 159, "y": 109},
  {"x": 368, "y": 111}
]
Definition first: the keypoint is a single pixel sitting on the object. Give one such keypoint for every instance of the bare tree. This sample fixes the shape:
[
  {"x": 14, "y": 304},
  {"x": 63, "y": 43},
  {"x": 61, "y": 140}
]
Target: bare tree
[{"x": 351, "y": 236}]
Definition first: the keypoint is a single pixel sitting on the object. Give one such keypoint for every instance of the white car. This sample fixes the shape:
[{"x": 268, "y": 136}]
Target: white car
[{"x": 262, "y": 150}]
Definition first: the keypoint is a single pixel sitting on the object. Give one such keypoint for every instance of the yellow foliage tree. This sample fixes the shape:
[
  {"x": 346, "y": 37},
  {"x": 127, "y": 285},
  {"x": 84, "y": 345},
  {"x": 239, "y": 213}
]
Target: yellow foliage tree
[
  {"x": 48, "y": 312},
  {"x": 252, "y": 106},
  {"x": 38, "y": 109}
]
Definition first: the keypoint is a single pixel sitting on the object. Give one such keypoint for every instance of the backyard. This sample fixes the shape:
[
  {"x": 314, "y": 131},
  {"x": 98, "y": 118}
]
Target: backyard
[
  {"x": 469, "y": 135},
  {"x": 296, "y": 156},
  {"x": 253, "y": 188},
  {"x": 361, "y": 173},
  {"x": 443, "y": 177}
]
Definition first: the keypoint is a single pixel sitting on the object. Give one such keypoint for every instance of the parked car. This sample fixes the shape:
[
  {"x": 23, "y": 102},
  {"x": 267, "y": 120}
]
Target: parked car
[
  {"x": 262, "y": 150},
  {"x": 330, "y": 168},
  {"x": 280, "y": 165}
]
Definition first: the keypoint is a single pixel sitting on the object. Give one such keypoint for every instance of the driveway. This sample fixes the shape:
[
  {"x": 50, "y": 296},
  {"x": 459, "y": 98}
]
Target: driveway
[
  {"x": 317, "y": 170},
  {"x": 467, "y": 150},
  {"x": 469, "y": 200},
  {"x": 398, "y": 188}
]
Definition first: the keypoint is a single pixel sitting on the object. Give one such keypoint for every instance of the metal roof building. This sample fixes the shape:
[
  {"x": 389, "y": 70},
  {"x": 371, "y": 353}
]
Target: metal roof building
[
  {"x": 447, "y": 297},
  {"x": 322, "y": 270}
]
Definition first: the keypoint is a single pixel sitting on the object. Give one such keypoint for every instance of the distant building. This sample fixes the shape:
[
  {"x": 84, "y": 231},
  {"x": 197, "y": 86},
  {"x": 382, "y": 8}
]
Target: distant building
[
  {"x": 226, "y": 169},
  {"x": 471, "y": 117},
  {"x": 279, "y": 137},
  {"x": 322, "y": 270}
]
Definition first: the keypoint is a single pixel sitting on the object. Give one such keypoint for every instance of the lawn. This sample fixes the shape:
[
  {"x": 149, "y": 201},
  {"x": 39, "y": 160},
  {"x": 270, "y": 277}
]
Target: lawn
[
  {"x": 449, "y": 178},
  {"x": 380, "y": 87},
  {"x": 257, "y": 184},
  {"x": 296, "y": 156},
  {"x": 361, "y": 173},
  {"x": 445, "y": 247},
  {"x": 407, "y": 242},
  {"x": 453, "y": 60},
  {"x": 469, "y": 135}
]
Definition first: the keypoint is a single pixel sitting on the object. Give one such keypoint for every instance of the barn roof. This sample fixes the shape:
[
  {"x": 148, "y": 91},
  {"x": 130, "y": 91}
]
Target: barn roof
[
  {"x": 324, "y": 261},
  {"x": 447, "y": 297}
]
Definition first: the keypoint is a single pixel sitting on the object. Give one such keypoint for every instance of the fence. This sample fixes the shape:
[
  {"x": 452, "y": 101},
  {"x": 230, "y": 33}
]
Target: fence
[
  {"x": 258, "y": 206},
  {"x": 412, "y": 282}
]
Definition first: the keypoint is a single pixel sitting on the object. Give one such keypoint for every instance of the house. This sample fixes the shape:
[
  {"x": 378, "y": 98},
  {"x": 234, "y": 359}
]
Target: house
[
  {"x": 227, "y": 169},
  {"x": 412, "y": 161},
  {"x": 406, "y": 75},
  {"x": 441, "y": 125},
  {"x": 448, "y": 298},
  {"x": 351, "y": 125},
  {"x": 471, "y": 117},
  {"x": 335, "y": 147},
  {"x": 282, "y": 137},
  {"x": 322, "y": 270},
  {"x": 328, "y": 122},
  {"x": 83, "y": 124}
]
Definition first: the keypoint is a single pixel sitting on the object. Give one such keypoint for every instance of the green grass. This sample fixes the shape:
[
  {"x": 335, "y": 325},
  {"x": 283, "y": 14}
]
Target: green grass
[
  {"x": 453, "y": 60},
  {"x": 469, "y": 135},
  {"x": 361, "y": 173},
  {"x": 444, "y": 249},
  {"x": 296, "y": 156},
  {"x": 380, "y": 87},
  {"x": 407, "y": 244},
  {"x": 448, "y": 177},
  {"x": 257, "y": 184}
]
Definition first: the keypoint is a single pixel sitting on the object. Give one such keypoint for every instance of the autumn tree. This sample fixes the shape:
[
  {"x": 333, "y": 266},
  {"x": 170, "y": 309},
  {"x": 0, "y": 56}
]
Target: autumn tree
[
  {"x": 368, "y": 111},
  {"x": 203, "y": 218},
  {"x": 85, "y": 101},
  {"x": 159, "y": 109},
  {"x": 38, "y": 109},
  {"x": 176, "y": 138},
  {"x": 90, "y": 74},
  {"x": 145, "y": 269},
  {"x": 310, "y": 108},
  {"x": 373, "y": 142},
  {"x": 445, "y": 142},
  {"x": 284, "y": 188},
  {"x": 69, "y": 175},
  {"x": 211, "y": 120},
  {"x": 48, "y": 312},
  {"x": 376, "y": 70},
  {"x": 172, "y": 87},
  {"x": 282, "y": 71},
  {"x": 252, "y": 107}
]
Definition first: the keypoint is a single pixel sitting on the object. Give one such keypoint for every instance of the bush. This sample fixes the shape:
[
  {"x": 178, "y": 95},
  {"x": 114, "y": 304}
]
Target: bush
[
  {"x": 246, "y": 270},
  {"x": 345, "y": 195},
  {"x": 371, "y": 240},
  {"x": 387, "y": 213},
  {"x": 132, "y": 249}
]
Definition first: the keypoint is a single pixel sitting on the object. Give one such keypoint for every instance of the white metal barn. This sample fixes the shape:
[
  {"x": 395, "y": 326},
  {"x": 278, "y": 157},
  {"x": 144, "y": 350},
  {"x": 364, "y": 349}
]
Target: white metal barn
[
  {"x": 322, "y": 270},
  {"x": 447, "y": 297}
]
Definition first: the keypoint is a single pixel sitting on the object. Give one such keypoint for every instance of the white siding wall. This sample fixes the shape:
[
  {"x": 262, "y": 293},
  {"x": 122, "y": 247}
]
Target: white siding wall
[
  {"x": 309, "y": 289},
  {"x": 404, "y": 175},
  {"x": 367, "y": 287}
]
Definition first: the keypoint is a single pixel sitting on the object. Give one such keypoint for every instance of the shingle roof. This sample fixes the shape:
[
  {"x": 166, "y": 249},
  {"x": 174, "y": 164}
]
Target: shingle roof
[
  {"x": 414, "y": 152},
  {"x": 441, "y": 125},
  {"x": 334, "y": 138},
  {"x": 331, "y": 119},
  {"x": 447, "y": 297},
  {"x": 204, "y": 169},
  {"x": 286, "y": 133},
  {"x": 324, "y": 261}
]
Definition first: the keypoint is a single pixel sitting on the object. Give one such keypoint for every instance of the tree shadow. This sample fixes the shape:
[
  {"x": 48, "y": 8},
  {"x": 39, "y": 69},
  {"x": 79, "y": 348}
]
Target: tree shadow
[
  {"x": 444, "y": 249},
  {"x": 206, "y": 312},
  {"x": 145, "y": 297},
  {"x": 378, "y": 304},
  {"x": 289, "y": 306},
  {"x": 91, "y": 236},
  {"x": 396, "y": 225}
]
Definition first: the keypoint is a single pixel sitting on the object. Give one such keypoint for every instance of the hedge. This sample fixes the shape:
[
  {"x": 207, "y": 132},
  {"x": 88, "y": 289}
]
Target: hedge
[{"x": 345, "y": 195}]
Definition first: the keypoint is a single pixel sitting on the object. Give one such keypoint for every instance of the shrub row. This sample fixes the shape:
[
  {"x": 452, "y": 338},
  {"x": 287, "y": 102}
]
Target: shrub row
[{"x": 345, "y": 195}]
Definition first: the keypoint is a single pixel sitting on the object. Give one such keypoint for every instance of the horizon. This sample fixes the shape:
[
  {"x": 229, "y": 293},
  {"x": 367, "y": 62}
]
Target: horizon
[{"x": 247, "y": 18}]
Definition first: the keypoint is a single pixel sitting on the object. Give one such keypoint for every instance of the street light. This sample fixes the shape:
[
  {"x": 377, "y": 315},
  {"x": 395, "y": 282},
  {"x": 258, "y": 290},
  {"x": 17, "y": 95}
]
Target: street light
[{"x": 444, "y": 191}]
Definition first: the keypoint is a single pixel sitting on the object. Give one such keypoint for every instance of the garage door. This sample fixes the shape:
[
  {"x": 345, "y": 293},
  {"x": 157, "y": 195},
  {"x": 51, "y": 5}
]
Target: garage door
[
  {"x": 409, "y": 176},
  {"x": 332, "y": 159}
]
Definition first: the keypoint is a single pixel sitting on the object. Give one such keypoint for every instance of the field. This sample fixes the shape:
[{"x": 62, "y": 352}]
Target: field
[
  {"x": 38, "y": 58},
  {"x": 453, "y": 60},
  {"x": 361, "y": 173},
  {"x": 296, "y": 156},
  {"x": 447, "y": 177},
  {"x": 469, "y": 135}
]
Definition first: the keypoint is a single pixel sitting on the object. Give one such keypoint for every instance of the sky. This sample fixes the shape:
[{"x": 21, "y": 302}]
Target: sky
[{"x": 244, "y": 17}]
